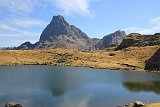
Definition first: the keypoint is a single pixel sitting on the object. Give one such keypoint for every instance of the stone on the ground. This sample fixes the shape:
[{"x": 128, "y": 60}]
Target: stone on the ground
[
  {"x": 14, "y": 104},
  {"x": 139, "y": 104}
]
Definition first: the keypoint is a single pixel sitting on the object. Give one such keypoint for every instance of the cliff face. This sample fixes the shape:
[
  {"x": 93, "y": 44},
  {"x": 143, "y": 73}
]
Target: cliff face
[
  {"x": 60, "y": 34},
  {"x": 154, "y": 62},
  {"x": 135, "y": 39},
  {"x": 58, "y": 26}
]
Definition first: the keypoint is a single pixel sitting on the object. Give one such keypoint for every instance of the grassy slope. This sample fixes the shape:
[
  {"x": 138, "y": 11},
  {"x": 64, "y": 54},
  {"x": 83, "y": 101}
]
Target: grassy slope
[
  {"x": 154, "y": 105},
  {"x": 132, "y": 58}
]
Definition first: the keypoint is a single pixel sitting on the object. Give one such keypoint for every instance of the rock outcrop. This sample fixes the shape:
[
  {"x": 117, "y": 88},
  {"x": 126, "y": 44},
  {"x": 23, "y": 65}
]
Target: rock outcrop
[
  {"x": 154, "y": 62},
  {"x": 135, "y": 39}
]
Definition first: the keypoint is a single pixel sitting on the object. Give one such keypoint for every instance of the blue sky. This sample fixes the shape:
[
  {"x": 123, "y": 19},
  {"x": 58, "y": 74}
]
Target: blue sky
[{"x": 24, "y": 20}]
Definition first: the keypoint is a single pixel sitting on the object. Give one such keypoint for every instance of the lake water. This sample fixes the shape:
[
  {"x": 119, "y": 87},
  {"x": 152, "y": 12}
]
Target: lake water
[{"x": 50, "y": 86}]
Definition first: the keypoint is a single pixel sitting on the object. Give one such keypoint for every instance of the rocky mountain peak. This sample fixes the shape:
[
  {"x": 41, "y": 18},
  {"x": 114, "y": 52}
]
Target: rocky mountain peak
[
  {"x": 58, "y": 27},
  {"x": 59, "y": 17},
  {"x": 120, "y": 33},
  {"x": 113, "y": 38},
  {"x": 59, "y": 20}
]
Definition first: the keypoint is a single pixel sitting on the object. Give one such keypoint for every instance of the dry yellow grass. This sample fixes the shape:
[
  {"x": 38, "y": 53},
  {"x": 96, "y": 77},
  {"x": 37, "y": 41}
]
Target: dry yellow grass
[
  {"x": 154, "y": 105},
  {"x": 132, "y": 58}
]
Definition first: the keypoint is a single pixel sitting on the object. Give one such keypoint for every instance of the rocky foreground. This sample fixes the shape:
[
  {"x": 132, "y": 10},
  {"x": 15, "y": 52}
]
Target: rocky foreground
[
  {"x": 142, "y": 104},
  {"x": 136, "y": 104},
  {"x": 131, "y": 58}
]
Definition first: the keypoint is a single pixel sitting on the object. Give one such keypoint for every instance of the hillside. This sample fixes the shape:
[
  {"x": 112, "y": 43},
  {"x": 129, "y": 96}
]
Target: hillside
[
  {"x": 135, "y": 39},
  {"x": 132, "y": 58}
]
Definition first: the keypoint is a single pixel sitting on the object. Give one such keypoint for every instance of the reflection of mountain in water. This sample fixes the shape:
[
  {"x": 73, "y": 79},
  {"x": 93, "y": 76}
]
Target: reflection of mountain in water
[{"x": 143, "y": 86}]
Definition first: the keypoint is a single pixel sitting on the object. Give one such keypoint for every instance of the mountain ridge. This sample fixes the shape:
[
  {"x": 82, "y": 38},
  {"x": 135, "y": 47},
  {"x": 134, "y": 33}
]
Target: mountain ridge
[{"x": 60, "y": 34}]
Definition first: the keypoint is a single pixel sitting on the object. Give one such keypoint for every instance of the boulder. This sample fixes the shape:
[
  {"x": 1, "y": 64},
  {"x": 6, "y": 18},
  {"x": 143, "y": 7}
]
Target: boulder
[
  {"x": 139, "y": 104},
  {"x": 14, "y": 104}
]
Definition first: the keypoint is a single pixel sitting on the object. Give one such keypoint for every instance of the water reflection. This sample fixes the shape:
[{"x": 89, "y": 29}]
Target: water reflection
[
  {"x": 48, "y": 86},
  {"x": 153, "y": 86}
]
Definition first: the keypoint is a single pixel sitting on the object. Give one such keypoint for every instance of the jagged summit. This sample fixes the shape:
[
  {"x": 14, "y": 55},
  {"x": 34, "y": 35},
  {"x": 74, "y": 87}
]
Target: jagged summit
[
  {"x": 58, "y": 17},
  {"x": 59, "y": 26},
  {"x": 60, "y": 34}
]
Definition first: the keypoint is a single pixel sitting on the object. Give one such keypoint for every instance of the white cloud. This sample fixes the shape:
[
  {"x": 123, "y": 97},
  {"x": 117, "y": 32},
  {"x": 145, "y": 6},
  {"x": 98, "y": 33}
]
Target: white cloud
[
  {"x": 9, "y": 35},
  {"x": 155, "y": 20},
  {"x": 22, "y": 41},
  {"x": 29, "y": 22},
  {"x": 13, "y": 43},
  {"x": 146, "y": 31},
  {"x": 71, "y": 7},
  {"x": 18, "y": 6},
  {"x": 16, "y": 32},
  {"x": 9, "y": 28},
  {"x": 26, "y": 33},
  {"x": 66, "y": 7},
  {"x": 155, "y": 27},
  {"x": 139, "y": 30},
  {"x": 133, "y": 29}
]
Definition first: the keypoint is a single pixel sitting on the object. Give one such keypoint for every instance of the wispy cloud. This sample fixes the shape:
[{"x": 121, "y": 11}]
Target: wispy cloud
[
  {"x": 154, "y": 22},
  {"x": 15, "y": 31},
  {"x": 9, "y": 35},
  {"x": 29, "y": 22},
  {"x": 70, "y": 7},
  {"x": 22, "y": 41},
  {"x": 65, "y": 7},
  {"x": 9, "y": 28},
  {"x": 13, "y": 43},
  {"x": 18, "y": 6},
  {"x": 139, "y": 30}
]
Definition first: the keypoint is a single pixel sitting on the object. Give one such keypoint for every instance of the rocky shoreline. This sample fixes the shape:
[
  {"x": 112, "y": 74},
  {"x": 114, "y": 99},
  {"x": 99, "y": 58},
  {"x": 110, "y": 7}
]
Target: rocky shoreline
[
  {"x": 141, "y": 104},
  {"x": 135, "y": 104}
]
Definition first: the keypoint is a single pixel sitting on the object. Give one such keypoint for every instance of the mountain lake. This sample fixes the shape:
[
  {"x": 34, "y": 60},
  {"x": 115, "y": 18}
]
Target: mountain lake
[{"x": 61, "y": 86}]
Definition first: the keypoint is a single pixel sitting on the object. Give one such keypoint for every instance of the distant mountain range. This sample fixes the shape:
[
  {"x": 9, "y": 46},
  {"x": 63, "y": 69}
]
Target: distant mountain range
[
  {"x": 60, "y": 34},
  {"x": 7, "y": 48}
]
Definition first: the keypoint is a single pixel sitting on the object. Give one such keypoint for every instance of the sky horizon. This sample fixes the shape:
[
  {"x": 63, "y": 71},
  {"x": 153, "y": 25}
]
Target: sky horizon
[{"x": 24, "y": 20}]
